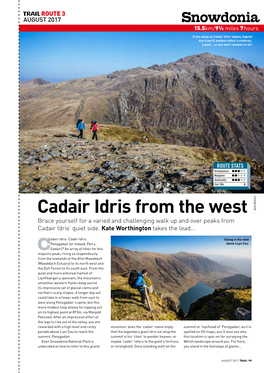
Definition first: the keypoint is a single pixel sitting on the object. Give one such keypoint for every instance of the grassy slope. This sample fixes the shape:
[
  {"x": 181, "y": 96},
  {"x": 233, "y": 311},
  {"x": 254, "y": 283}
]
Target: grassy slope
[
  {"x": 107, "y": 132},
  {"x": 126, "y": 303},
  {"x": 110, "y": 132}
]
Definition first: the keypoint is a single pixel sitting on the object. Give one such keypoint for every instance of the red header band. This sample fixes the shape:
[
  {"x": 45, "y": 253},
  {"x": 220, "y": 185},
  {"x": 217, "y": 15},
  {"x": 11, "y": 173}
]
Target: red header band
[{"x": 141, "y": 28}]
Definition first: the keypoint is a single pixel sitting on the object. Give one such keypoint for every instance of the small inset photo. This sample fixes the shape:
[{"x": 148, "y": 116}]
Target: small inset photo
[{"x": 181, "y": 278}]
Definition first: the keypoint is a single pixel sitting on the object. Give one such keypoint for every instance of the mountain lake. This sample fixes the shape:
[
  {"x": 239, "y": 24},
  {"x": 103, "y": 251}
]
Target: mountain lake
[{"x": 192, "y": 295}]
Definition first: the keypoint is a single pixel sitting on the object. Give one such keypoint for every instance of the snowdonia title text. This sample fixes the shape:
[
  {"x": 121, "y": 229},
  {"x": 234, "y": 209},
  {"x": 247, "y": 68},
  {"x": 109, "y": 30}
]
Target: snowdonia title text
[{"x": 225, "y": 17}]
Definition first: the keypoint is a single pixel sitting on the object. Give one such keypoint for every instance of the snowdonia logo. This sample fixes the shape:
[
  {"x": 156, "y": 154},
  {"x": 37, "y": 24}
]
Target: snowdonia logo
[{"x": 226, "y": 17}]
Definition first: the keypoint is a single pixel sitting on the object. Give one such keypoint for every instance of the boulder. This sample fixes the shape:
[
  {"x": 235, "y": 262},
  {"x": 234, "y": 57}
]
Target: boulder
[{"x": 242, "y": 314}]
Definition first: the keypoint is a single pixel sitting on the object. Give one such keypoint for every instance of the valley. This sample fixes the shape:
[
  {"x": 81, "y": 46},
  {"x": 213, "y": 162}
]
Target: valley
[{"x": 184, "y": 285}]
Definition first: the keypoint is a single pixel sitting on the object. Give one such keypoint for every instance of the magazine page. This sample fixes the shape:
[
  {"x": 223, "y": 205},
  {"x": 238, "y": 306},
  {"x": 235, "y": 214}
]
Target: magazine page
[{"x": 141, "y": 182}]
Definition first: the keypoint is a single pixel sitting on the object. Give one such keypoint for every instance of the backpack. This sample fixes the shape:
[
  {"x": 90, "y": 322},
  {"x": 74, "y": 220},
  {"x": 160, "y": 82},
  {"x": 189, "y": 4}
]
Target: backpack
[
  {"x": 78, "y": 122},
  {"x": 133, "y": 278}
]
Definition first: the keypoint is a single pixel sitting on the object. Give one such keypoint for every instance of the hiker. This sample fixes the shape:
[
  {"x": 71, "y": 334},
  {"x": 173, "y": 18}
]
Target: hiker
[
  {"x": 141, "y": 285},
  {"x": 94, "y": 130},
  {"x": 81, "y": 127}
]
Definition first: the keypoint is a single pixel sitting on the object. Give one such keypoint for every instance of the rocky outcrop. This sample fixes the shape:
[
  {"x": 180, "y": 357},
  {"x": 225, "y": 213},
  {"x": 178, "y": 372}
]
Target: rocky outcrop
[{"x": 242, "y": 314}]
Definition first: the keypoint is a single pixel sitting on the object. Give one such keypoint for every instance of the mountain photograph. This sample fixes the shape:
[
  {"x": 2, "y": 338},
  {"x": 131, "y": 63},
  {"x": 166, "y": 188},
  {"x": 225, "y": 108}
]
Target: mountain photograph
[
  {"x": 160, "y": 127},
  {"x": 183, "y": 285}
]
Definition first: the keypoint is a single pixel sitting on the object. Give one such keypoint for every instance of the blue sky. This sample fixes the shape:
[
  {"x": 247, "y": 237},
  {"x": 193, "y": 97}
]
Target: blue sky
[
  {"x": 59, "y": 56},
  {"x": 204, "y": 245}
]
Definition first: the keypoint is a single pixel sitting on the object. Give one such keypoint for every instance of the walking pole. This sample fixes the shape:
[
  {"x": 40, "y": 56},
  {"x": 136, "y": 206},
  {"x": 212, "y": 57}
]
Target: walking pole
[{"x": 147, "y": 296}]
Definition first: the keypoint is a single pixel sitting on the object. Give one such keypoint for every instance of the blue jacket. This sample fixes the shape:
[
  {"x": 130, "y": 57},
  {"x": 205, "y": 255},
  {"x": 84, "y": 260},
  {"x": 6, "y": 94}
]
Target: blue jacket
[
  {"x": 81, "y": 126},
  {"x": 140, "y": 282}
]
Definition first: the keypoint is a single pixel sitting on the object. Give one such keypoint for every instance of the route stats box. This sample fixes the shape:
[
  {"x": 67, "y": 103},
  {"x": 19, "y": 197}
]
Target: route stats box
[{"x": 232, "y": 175}]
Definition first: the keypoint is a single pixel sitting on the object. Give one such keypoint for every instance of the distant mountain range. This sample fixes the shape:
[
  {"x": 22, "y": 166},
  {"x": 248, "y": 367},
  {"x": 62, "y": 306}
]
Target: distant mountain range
[
  {"x": 232, "y": 281},
  {"x": 201, "y": 100},
  {"x": 242, "y": 265}
]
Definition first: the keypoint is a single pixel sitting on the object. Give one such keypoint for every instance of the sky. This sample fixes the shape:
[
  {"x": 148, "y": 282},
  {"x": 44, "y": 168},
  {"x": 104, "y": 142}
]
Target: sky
[
  {"x": 204, "y": 245},
  {"x": 60, "y": 56}
]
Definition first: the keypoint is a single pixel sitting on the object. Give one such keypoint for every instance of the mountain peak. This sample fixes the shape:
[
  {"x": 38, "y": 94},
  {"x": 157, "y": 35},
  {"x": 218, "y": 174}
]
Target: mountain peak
[
  {"x": 198, "y": 61},
  {"x": 35, "y": 81},
  {"x": 208, "y": 59}
]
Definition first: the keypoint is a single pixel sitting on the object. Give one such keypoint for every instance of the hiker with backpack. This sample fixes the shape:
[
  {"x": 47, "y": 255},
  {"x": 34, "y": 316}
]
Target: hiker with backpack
[
  {"x": 137, "y": 281},
  {"x": 81, "y": 127},
  {"x": 94, "y": 127},
  {"x": 141, "y": 285}
]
